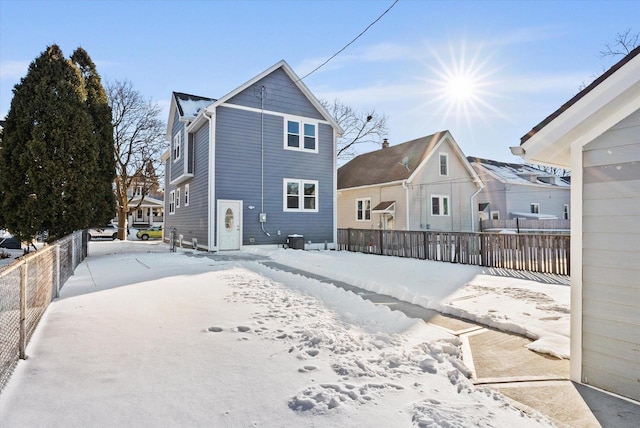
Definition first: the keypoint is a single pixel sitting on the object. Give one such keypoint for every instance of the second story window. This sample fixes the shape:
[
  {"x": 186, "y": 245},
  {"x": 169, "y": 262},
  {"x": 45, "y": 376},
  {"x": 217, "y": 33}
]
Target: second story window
[
  {"x": 177, "y": 142},
  {"x": 301, "y": 136}
]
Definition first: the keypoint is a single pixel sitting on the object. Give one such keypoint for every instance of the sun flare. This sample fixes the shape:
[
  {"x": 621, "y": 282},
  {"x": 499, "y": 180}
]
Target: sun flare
[{"x": 461, "y": 86}]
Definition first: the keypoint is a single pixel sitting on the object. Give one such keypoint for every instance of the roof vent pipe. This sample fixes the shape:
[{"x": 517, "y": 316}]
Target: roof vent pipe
[{"x": 385, "y": 143}]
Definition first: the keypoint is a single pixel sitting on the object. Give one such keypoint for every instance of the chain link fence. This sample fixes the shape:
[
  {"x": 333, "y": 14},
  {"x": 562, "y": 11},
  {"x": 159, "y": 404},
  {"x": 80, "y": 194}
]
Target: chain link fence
[{"x": 27, "y": 286}]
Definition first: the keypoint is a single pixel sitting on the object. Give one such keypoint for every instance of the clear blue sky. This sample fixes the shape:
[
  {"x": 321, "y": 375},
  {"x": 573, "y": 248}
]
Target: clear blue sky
[{"x": 515, "y": 61}]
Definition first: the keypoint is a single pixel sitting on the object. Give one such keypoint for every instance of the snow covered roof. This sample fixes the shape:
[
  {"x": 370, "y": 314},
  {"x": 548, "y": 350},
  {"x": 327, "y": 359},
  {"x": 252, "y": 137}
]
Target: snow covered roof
[
  {"x": 516, "y": 173},
  {"x": 190, "y": 105}
]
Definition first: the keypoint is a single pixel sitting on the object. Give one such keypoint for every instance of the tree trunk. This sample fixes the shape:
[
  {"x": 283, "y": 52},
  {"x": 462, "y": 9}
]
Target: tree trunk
[{"x": 122, "y": 223}]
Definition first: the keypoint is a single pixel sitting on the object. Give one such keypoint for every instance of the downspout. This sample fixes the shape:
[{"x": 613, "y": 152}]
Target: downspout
[
  {"x": 405, "y": 185},
  {"x": 263, "y": 216},
  {"x": 212, "y": 181},
  {"x": 473, "y": 229}
]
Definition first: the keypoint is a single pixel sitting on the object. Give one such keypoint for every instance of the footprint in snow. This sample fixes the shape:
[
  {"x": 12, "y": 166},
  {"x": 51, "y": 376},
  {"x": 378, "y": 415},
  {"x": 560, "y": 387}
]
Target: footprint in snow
[
  {"x": 215, "y": 329},
  {"x": 243, "y": 329}
]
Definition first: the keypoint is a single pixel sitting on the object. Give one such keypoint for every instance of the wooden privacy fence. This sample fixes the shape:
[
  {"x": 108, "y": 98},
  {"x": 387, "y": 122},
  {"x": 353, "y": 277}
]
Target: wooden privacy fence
[
  {"x": 526, "y": 225},
  {"x": 544, "y": 253}
]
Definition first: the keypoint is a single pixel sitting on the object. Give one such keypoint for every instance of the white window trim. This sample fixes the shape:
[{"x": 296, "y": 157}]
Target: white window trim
[
  {"x": 172, "y": 202},
  {"x": 494, "y": 212},
  {"x": 301, "y": 184},
  {"x": 177, "y": 197},
  {"x": 537, "y": 208},
  {"x": 446, "y": 156},
  {"x": 565, "y": 212},
  {"x": 186, "y": 195},
  {"x": 177, "y": 143},
  {"x": 441, "y": 206},
  {"x": 301, "y": 122},
  {"x": 363, "y": 210}
]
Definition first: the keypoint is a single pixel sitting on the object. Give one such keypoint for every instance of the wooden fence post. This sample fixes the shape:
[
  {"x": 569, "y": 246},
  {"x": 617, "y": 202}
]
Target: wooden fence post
[{"x": 57, "y": 267}]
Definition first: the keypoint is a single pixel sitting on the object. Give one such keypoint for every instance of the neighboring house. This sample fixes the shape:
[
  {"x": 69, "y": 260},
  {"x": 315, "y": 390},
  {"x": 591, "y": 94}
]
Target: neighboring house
[
  {"x": 148, "y": 213},
  {"x": 422, "y": 184},
  {"x": 252, "y": 167},
  {"x": 597, "y": 135},
  {"x": 520, "y": 191}
]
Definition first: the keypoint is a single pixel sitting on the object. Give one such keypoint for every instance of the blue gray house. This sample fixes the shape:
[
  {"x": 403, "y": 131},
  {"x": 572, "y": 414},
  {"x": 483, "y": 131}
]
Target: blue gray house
[{"x": 252, "y": 167}]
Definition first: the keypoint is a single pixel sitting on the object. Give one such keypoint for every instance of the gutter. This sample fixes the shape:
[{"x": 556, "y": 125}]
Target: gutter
[{"x": 405, "y": 185}]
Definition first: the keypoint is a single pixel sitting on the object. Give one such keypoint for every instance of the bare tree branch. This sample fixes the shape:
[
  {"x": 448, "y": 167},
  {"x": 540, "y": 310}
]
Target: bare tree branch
[
  {"x": 139, "y": 140},
  {"x": 624, "y": 43},
  {"x": 358, "y": 127}
]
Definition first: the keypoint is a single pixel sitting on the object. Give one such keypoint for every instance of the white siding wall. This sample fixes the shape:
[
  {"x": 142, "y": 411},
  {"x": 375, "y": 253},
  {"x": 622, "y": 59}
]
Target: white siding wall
[
  {"x": 458, "y": 185},
  {"x": 611, "y": 260}
]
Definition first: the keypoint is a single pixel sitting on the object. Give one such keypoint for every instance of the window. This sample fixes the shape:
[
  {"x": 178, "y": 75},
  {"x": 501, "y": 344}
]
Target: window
[
  {"x": 301, "y": 136},
  {"x": 177, "y": 142},
  {"x": 495, "y": 215},
  {"x": 178, "y": 197},
  {"x": 186, "y": 195},
  {"x": 363, "y": 209},
  {"x": 172, "y": 202},
  {"x": 439, "y": 205},
  {"x": 535, "y": 208},
  {"x": 565, "y": 212},
  {"x": 444, "y": 164},
  {"x": 300, "y": 195}
]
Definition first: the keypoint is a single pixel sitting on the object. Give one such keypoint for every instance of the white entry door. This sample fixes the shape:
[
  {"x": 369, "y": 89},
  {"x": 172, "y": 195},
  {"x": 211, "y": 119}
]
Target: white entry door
[{"x": 229, "y": 225}]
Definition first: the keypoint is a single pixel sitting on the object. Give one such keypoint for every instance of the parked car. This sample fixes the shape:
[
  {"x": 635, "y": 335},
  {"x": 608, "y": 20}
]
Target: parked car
[
  {"x": 109, "y": 231},
  {"x": 9, "y": 242},
  {"x": 152, "y": 232}
]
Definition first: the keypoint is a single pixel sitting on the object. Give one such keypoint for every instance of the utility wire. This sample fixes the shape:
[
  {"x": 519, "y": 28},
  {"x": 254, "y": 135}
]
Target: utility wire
[
  {"x": 351, "y": 42},
  {"x": 340, "y": 51}
]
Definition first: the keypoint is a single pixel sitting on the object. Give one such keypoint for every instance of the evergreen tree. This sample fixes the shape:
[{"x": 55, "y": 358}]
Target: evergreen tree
[
  {"x": 49, "y": 155},
  {"x": 104, "y": 201}
]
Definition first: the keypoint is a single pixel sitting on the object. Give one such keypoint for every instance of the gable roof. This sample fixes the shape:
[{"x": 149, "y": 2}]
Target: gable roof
[
  {"x": 190, "y": 105},
  {"x": 387, "y": 165},
  {"x": 517, "y": 173},
  {"x": 610, "y": 99},
  {"x": 295, "y": 81},
  {"x": 397, "y": 163},
  {"x": 580, "y": 95},
  {"x": 187, "y": 106}
]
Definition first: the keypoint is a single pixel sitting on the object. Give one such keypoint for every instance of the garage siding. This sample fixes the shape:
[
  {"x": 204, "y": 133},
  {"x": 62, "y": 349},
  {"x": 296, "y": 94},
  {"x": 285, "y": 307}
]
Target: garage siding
[{"x": 611, "y": 250}]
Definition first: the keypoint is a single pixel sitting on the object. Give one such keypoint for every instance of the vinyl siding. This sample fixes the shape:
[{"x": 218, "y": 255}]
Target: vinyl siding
[
  {"x": 457, "y": 185},
  {"x": 176, "y": 168},
  {"x": 238, "y": 175},
  {"x": 552, "y": 200},
  {"x": 611, "y": 250},
  {"x": 347, "y": 207},
  {"x": 283, "y": 96}
]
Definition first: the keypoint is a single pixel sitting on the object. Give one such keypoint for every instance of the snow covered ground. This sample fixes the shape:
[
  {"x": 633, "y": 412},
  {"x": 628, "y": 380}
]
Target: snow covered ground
[{"x": 141, "y": 336}]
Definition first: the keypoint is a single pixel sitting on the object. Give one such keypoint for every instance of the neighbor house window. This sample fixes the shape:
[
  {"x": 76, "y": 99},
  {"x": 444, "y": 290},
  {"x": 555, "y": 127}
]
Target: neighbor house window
[
  {"x": 565, "y": 212},
  {"x": 178, "y": 197},
  {"x": 444, "y": 164},
  {"x": 172, "y": 202},
  {"x": 363, "y": 209},
  {"x": 439, "y": 205},
  {"x": 535, "y": 208},
  {"x": 177, "y": 142},
  {"x": 300, "y": 195},
  {"x": 495, "y": 215},
  {"x": 186, "y": 195},
  {"x": 301, "y": 136}
]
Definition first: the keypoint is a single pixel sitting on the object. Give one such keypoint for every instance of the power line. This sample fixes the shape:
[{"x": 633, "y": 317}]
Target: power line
[{"x": 351, "y": 42}]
